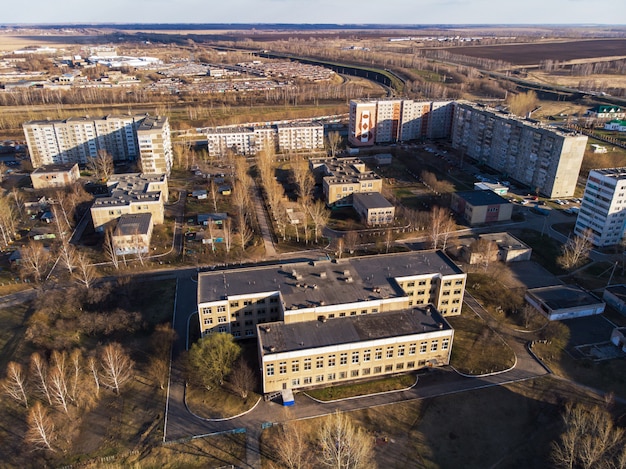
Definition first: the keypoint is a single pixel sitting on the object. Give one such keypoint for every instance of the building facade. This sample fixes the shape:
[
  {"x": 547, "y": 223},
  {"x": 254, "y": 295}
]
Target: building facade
[
  {"x": 75, "y": 140},
  {"x": 602, "y": 215},
  {"x": 131, "y": 194},
  {"x": 305, "y": 312},
  {"x": 55, "y": 176},
  {"x": 373, "y": 208},
  {"x": 398, "y": 120},
  {"x": 155, "y": 145},
  {"x": 478, "y": 207},
  {"x": 132, "y": 234},
  {"x": 546, "y": 159}
]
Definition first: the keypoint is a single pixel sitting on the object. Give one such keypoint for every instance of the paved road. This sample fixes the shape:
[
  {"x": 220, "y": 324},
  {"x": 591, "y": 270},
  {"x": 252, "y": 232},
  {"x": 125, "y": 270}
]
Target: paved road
[{"x": 261, "y": 215}]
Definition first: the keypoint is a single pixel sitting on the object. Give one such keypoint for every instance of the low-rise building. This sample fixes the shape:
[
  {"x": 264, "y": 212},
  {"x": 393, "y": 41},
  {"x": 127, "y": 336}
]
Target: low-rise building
[
  {"x": 478, "y": 207},
  {"x": 132, "y": 234},
  {"x": 619, "y": 125},
  {"x": 131, "y": 194},
  {"x": 488, "y": 186},
  {"x": 615, "y": 296},
  {"x": 54, "y": 176},
  {"x": 560, "y": 302},
  {"x": 606, "y": 112},
  {"x": 373, "y": 208}
]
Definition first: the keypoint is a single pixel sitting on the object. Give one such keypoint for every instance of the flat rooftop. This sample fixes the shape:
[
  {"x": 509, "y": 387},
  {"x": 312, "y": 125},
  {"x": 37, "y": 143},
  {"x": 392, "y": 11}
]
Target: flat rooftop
[
  {"x": 133, "y": 224},
  {"x": 310, "y": 284},
  {"x": 55, "y": 168},
  {"x": 618, "y": 290},
  {"x": 372, "y": 200},
  {"x": 478, "y": 198},
  {"x": 563, "y": 296},
  {"x": 504, "y": 240},
  {"x": 279, "y": 337},
  {"x": 614, "y": 173}
]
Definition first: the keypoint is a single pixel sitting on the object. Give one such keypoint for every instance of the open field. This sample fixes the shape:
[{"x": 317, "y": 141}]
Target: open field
[
  {"x": 532, "y": 54},
  {"x": 573, "y": 81}
]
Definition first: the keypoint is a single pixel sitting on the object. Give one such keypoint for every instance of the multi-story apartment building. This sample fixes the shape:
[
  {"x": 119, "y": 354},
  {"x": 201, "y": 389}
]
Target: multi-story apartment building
[
  {"x": 388, "y": 121},
  {"x": 394, "y": 288},
  {"x": 602, "y": 215},
  {"x": 342, "y": 177},
  {"x": 296, "y": 136},
  {"x": 545, "y": 159},
  {"x": 75, "y": 140},
  {"x": 131, "y": 194},
  {"x": 155, "y": 146}
]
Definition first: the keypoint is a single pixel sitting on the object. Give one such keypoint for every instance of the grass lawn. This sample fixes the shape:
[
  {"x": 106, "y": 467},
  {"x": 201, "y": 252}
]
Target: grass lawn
[
  {"x": 12, "y": 328},
  {"x": 477, "y": 349},
  {"x": 393, "y": 383},
  {"x": 218, "y": 402}
]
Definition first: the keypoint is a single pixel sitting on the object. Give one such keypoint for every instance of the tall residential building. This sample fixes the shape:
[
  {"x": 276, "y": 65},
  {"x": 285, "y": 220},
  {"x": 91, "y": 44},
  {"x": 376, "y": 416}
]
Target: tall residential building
[
  {"x": 546, "y": 159},
  {"x": 295, "y": 136},
  {"x": 602, "y": 214},
  {"x": 75, "y": 140},
  {"x": 327, "y": 311},
  {"x": 155, "y": 145},
  {"x": 389, "y": 121}
]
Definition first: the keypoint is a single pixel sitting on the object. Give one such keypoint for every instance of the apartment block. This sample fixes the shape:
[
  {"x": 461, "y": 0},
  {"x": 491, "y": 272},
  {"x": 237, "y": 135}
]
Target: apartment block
[
  {"x": 131, "y": 194},
  {"x": 394, "y": 298},
  {"x": 602, "y": 214},
  {"x": 546, "y": 159},
  {"x": 343, "y": 177},
  {"x": 75, "y": 140},
  {"x": 155, "y": 145},
  {"x": 389, "y": 121},
  {"x": 293, "y": 136}
]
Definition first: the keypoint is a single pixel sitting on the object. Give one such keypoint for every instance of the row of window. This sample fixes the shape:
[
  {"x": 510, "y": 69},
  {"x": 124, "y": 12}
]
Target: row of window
[
  {"x": 357, "y": 356},
  {"x": 446, "y": 283}
]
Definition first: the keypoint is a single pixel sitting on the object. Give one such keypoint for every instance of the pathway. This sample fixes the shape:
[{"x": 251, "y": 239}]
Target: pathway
[{"x": 261, "y": 216}]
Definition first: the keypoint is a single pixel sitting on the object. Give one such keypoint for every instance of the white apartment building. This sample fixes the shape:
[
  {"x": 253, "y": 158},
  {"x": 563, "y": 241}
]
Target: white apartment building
[
  {"x": 603, "y": 209},
  {"x": 77, "y": 139},
  {"x": 155, "y": 145},
  {"x": 297, "y": 136}
]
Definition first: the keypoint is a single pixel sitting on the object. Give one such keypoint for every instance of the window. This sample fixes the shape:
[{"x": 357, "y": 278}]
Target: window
[
  {"x": 422, "y": 282},
  {"x": 248, "y": 322},
  {"x": 457, "y": 292},
  {"x": 270, "y": 369},
  {"x": 249, "y": 332},
  {"x": 447, "y": 283},
  {"x": 234, "y": 304},
  {"x": 410, "y": 284},
  {"x": 319, "y": 362},
  {"x": 388, "y": 368},
  {"x": 445, "y": 343},
  {"x": 410, "y": 365},
  {"x": 295, "y": 382},
  {"x": 221, "y": 309},
  {"x": 331, "y": 360},
  {"x": 423, "y": 347},
  {"x": 331, "y": 376},
  {"x": 221, "y": 319},
  {"x": 459, "y": 282},
  {"x": 247, "y": 302},
  {"x": 355, "y": 357},
  {"x": 366, "y": 371},
  {"x": 377, "y": 369},
  {"x": 248, "y": 313},
  {"x": 389, "y": 352},
  {"x": 412, "y": 349},
  {"x": 295, "y": 366},
  {"x": 282, "y": 368},
  {"x": 366, "y": 355},
  {"x": 364, "y": 311},
  {"x": 343, "y": 359},
  {"x": 354, "y": 373},
  {"x": 374, "y": 310},
  {"x": 342, "y": 315},
  {"x": 400, "y": 366},
  {"x": 352, "y": 313},
  {"x": 342, "y": 375},
  {"x": 307, "y": 380},
  {"x": 261, "y": 311},
  {"x": 446, "y": 293},
  {"x": 434, "y": 346},
  {"x": 378, "y": 355},
  {"x": 222, "y": 329},
  {"x": 421, "y": 363},
  {"x": 307, "y": 363},
  {"x": 261, "y": 301},
  {"x": 331, "y": 315},
  {"x": 401, "y": 350},
  {"x": 208, "y": 321},
  {"x": 237, "y": 334},
  {"x": 206, "y": 311},
  {"x": 319, "y": 378}
]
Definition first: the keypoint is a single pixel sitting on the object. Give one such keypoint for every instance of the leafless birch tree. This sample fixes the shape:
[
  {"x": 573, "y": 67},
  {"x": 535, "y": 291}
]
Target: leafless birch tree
[
  {"x": 291, "y": 447},
  {"x": 35, "y": 260},
  {"x": 39, "y": 369},
  {"x": 85, "y": 273},
  {"x": 575, "y": 251},
  {"x": 109, "y": 248},
  {"x": 41, "y": 432},
  {"x": 342, "y": 445},
  {"x": 117, "y": 367},
  {"x": 101, "y": 165},
  {"x": 15, "y": 383}
]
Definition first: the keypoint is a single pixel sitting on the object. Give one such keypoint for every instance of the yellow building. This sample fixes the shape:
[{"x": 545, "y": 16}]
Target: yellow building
[
  {"x": 54, "y": 176},
  {"x": 406, "y": 294},
  {"x": 131, "y": 194}
]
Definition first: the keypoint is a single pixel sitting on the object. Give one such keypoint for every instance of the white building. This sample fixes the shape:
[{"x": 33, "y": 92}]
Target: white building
[
  {"x": 603, "y": 209},
  {"x": 300, "y": 136}
]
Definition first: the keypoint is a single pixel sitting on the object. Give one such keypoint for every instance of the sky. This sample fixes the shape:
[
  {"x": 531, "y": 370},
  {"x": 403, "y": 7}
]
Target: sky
[{"x": 320, "y": 11}]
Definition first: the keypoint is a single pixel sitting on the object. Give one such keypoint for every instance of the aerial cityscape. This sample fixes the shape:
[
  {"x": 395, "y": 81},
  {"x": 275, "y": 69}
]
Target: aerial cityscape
[{"x": 345, "y": 240}]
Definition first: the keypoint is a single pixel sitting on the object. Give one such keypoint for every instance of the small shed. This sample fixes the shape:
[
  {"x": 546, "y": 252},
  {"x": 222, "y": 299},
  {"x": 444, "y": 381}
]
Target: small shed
[
  {"x": 383, "y": 159},
  {"x": 214, "y": 218},
  {"x": 224, "y": 190},
  {"x": 199, "y": 194},
  {"x": 560, "y": 302}
]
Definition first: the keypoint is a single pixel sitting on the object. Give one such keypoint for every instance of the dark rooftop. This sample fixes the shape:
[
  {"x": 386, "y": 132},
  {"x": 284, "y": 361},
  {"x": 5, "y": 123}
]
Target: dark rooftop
[
  {"x": 372, "y": 200},
  {"x": 55, "y": 168},
  {"x": 618, "y": 290},
  {"x": 563, "y": 296},
  {"x": 477, "y": 198},
  {"x": 133, "y": 224},
  {"x": 283, "y": 337}
]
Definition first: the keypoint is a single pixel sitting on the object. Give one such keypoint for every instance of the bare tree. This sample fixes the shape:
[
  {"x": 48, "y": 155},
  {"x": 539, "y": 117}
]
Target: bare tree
[
  {"x": 319, "y": 215},
  {"x": 291, "y": 447},
  {"x": 245, "y": 233},
  {"x": 342, "y": 445},
  {"x": 39, "y": 368},
  {"x": 484, "y": 251},
  {"x": 35, "y": 260},
  {"x": 85, "y": 273},
  {"x": 7, "y": 221},
  {"x": 441, "y": 224},
  {"x": 92, "y": 364},
  {"x": 522, "y": 104},
  {"x": 242, "y": 378},
  {"x": 108, "y": 246},
  {"x": 351, "y": 241},
  {"x": 213, "y": 191},
  {"x": 67, "y": 255},
  {"x": 101, "y": 165},
  {"x": 41, "y": 432},
  {"x": 57, "y": 379},
  {"x": 117, "y": 367},
  {"x": 575, "y": 251},
  {"x": 15, "y": 383},
  {"x": 228, "y": 234},
  {"x": 75, "y": 375},
  {"x": 339, "y": 246},
  {"x": 590, "y": 439},
  {"x": 158, "y": 368},
  {"x": 333, "y": 140}
]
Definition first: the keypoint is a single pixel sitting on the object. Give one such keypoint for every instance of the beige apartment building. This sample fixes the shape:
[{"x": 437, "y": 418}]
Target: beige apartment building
[
  {"x": 131, "y": 194},
  {"x": 155, "y": 145},
  {"x": 77, "y": 139},
  {"x": 342, "y": 177},
  {"x": 399, "y": 290}
]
